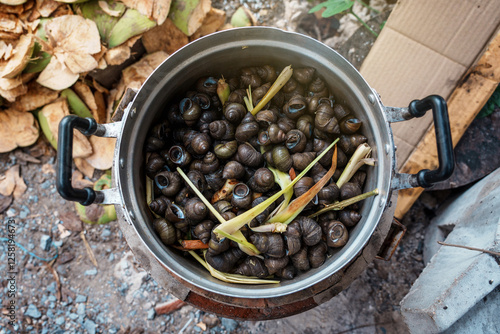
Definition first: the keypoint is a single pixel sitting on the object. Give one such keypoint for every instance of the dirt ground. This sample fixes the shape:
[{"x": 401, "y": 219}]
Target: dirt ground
[{"x": 73, "y": 295}]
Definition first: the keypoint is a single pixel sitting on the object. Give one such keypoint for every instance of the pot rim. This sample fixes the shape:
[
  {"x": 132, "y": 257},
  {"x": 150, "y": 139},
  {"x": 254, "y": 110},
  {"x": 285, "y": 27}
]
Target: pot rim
[{"x": 241, "y": 39}]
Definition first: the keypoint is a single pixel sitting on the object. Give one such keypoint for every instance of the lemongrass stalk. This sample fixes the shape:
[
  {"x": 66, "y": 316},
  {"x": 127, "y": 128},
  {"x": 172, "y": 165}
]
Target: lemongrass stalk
[
  {"x": 199, "y": 259},
  {"x": 241, "y": 240},
  {"x": 362, "y": 152},
  {"x": 247, "y": 104},
  {"x": 282, "y": 79},
  {"x": 296, "y": 207},
  {"x": 149, "y": 195},
  {"x": 272, "y": 227},
  {"x": 249, "y": 94},
  {"x": 237, "y": 222},
  {"x": 283, "y": 179},
  {"x": 345, "y": 203},
  {"x": 200, "y": 196},
  {"x": 223, "y": 90}
]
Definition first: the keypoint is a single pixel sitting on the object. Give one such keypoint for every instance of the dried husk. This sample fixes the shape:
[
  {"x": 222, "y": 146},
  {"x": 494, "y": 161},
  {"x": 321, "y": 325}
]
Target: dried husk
[
  {"x": 22, "y": 54},
  {"x": 166, "y": 37},
  {"x": 103, "y": 152},
  {"x": 36, "y": 97},
  {"x": 17, "y": 129}
]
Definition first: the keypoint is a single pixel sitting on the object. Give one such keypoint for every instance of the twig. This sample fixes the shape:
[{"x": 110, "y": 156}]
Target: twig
[
  {"x": 89, "y": 250},
  {"x": 58, "y": 281},
  {"x": 169, "y": 307},
  {"x": 470, "y": 248}
]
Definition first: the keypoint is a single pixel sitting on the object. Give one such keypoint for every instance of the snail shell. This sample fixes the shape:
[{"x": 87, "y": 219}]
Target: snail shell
[
  {"x": 179, "y": 155},
  {"x": 325, "y": 120},
  {"x": 198, "y": 180},
  {"x": 207, "y": 85},
  {"x": 286, "y": 124},
  {"x": 203, "y": 230},
  {"x": 281, "y": 158},
  {"x": 237, "y": 96},
  {"x": 271, "y": 244},
  {"x": 226, "y": 150},
  {"x": 267, "y": 73},
  {"x": 258, "y": 94},
  {"x": 317, "y": 254},
  {"x": 349, "y": 217},
  {"x": 233, "y": 170},
  {"x": 262, "y": 180},
  {"x": 349, "y": 125},
  {"x": 340, "y": 111},
  {"x": 195, "y": 210},
  {"x": 250, "y": 79},
  {"x": 311, "y": 231},
  {"x": 226, "y": 261},
  {"x": 295, "y": 107},
  {"x": 153, "y": 144},
  {"x": 276, "y": 135},
  {"x": 328, "y": 194},
  {"x": 217, "y": 246},
  {"x": 349, "y": 143},
  {"x": 304, "y": 75},
  {"x": 295, "y": 141},
  {"x": 301, "y": 160},
  {"x": 208, "y": 165},
  {"x": 221, "y": 130},
  {"x": 249, "y": 156},
  {"x": 336, "y": 234},
  {"x": 190, "y": 111},
  {"x": 234, "y": 112},
  {"x": 300, "y": 260},
  {"x": 289, "y": 272},
  {"x": 166, "y": 231},
  {"x": 247, "y": 129},
  {"x": 305, "y": 124},
  {"x": 242, "y": 196},
  {"x": 266, "y": 117},
  {"x": 252, "y": 266},
  {"x": 159, "y": 205},
  {"x": 169, "y": 183},
  {"x": 274, "y": 264},
  {"x": 154, "y": 165},
  {"x": 303, "y": 185}
]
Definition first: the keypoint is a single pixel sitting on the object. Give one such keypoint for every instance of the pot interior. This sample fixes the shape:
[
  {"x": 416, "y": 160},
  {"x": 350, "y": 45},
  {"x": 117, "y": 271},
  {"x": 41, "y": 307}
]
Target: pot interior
[{"x": 224, "y": 53}]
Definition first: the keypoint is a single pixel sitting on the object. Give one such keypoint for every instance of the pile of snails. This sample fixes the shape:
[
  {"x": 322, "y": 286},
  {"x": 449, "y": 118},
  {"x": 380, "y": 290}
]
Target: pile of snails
[{"x": 226, "y": 153}]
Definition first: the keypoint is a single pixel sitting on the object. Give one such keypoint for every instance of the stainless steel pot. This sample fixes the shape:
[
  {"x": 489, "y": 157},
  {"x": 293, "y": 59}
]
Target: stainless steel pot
[{"x": 225, "y": 53}]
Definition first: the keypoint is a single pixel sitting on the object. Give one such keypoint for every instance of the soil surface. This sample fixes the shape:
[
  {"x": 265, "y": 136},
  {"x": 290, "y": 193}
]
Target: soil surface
[{"x": 112, "y": 294}]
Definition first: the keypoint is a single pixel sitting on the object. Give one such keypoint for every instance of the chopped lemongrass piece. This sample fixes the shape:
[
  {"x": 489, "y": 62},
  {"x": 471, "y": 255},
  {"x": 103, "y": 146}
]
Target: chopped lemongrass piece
[
  {"x": 249, "y": 94},
  {"x": 295, "y": 208},
  {"x": 362, "y": 152},
  {"x": 272, "y": 227},
  {"x": 345, "y": 203},
  {"x": 237, "y": 222},
  {"x": 241, "y": 240},
  {"x": 223, "y": 90},
  {"x": 225, "y": 191},
  {"x": 282, "y": 79},
  {"x": 247, "y": 104},
  {"x": 200, "y": 196}
]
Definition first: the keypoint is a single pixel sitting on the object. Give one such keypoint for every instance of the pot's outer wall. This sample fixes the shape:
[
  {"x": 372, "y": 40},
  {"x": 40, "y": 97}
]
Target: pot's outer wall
[{"x": 224, "y": 53}]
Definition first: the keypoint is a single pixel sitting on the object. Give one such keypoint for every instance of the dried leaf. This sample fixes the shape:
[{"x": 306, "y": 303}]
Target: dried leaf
[
  {"x": 103, "y": 152},
  {"x": 20, "y": 186},
  {"x": 12, "y": 7},
  {"x": 54, "y": 113},
  {"x": 71, "y": 221},
  {"x": 20, "y": 155},
  {"x": 8, "y": 183},
  {"x": 100, "y": 113},
  {"x": 77, "y": 180},
  {"x": 117, "y": 55},
  {"x": 5, "y": 50},
  {"x": 166, "y": 37},
  {"x": 8, "y": 84},
  {"x": 56, "y": 75},
  {"x": 213, "y": 21},
  {"x": 46, "y": 7},
  {"x": 36, "y": 97},
  {"x": 17, "y": 129},
  {"x": 85, "y": 94},
  {"x": 5, "y": 202},
  {"x": 106, "y": 8},
  {"x": 10, "y": 24},
  {"x": 156, "y": 10},
  {"x": 12, "y": 94},
  {"x": 22, "y": 54},
  {"x": 85, "y": 168}
]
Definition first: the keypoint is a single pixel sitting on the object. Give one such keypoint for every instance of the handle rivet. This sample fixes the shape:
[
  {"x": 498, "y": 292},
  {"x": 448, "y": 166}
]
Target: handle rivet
[
  {"x": 133, "y": 112},
  {"x": 371, "y": 98},
  {"x": 387, "y": 148},
  {"x": 122, "y": 163},
  {"x": 131, "y": 214}
]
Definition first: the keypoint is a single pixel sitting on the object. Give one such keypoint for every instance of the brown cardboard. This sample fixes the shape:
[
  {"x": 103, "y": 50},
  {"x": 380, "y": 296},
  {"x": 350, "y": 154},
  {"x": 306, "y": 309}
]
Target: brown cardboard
[{"x": 425, "y": 48}]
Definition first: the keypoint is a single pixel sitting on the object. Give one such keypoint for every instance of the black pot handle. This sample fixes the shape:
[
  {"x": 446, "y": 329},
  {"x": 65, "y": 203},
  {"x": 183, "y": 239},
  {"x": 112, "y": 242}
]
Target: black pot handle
[
  {"x": 417, "y": 108},
  {"x": 87, "y": 126}
]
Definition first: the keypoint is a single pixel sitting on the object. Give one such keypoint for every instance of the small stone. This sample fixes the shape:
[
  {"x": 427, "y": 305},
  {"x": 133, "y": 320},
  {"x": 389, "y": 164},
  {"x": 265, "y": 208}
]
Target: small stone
[
  {"x": 111, "y": 257},
  {"x": 45, "y": 242},
  {"x": 60, "y": 321},
  {"x": 50, "y": 314},
  {"x": 151, "y": 314},
  {"x": 58, "y": 243},
  {"x": 51, "y": 288},
  {"x": 46, "y": 184},
  {"x": 80, "y": 309},
  {"x": 90, "y": 326},
  {"x": 91, "y": 272},
  {"x": 80, "y": 299},
  {"x": 11, "y": 212},
  {"x": 210, "y": 320},
  {"x": 52, "y": 298},
  {"x": 105, "y": 233},
  {"x": 124, "y": 264},
  {"x": 73, "y": 316},
  {"x": 33, "y": 312},
  {"x": 229, "y": 324}
]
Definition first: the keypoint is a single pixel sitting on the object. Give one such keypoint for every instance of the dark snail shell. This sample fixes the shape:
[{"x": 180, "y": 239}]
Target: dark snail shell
[
  {"x": 226, "y": 150},
  {"x": 336, "y": 234},
  {"x": 359, "y": 178},
  {"x": 349, "y": 189},
  {"x": 290, "y": 85},
  {"x": 175, "y": 214},
  {"x": 226, "y": 261},
  {"x": 161, "y": 130},
  {"x": 276, "y": 135},
  {"x": 249, "y": 156},
  {"x": 263, "y": 216},
  {"x": 295, "y": 107},
  {"x": 247, "y": 129},
  {"x": 325, "y": 218},
  {"x": 190, "y": 111},
  {"x": 252, "y": 266},
  {"x": 267, "y": 73},
  {"x": 199, "y": 144},
  {"x": 286, "y": 124},
  {"x": 271, "y": 244},
  {"x": 174, "y": 116},
  {"x": 293, "y": 236},
  {"x": 303, "y": 185},
  {"x": 182, "y": 196},
  {"x": 266, "y": 117},
  {"x": 202, "y": 231},
  {"x": 317, "y": 254},
  {"x": 195, "y": 210},
  {"x": 258, "y": 94},
  {"x": 317, "y": 171},
  {"x": 318, "y": 88},
  {"x": 234, "y": 112},
  {"x": 319, "y": 146},
  {"x": 203, "y": 100},
  {"x": 312, "y": 104},
  {"x": 215, "y": 180},
  {"x": 341, "y": 159},
  {"x": 349, "y": 125},
  {"x": 217, "y": 246},
  {"x": 169, "y": 183},
  {"x": 153, "y": 144},
  {"x": 304, "y": 75},
  {"x": 179, "y": 155},
  {"x": 233, "y": 83},
  {"x": 208, "y": 165},
  {"x": 311, "y": 231},
  {"x": 207, "y": 85},
  {"x": 165, "y": 230},
  {"x": 250, "y": 79},
  {"x": 228, "y": 215},
  {"x": 349, "y": 217},
  {"x": 159, "y": 205},
  {"x": 281, "y": 158},
  {"x": 349, "y": 143},
  {"x": 262, "y": 180},
  {"x": 340, "y": 111},
  {"x": 289, "y": 272},
  {"x": 328, "y": 194},
  {"x": 221, "y": 130},
  {"x": 325, "y": 120},
  {"x": 242, "y": 196},
  {"x": 263, "y": 138},
  {"x": 301, "y": 160},
  {"x": 295, "y": 141},
  {"x": 154, "y": 165},
  {"x": 305, "y": 123},
  {"x": 274, "y": 264},
  {"x": 233, "y": 170},
  {"x": 237, "y": 96},
  {"x": 300, "y": 260},
  {"x": 198, "y": 179}
]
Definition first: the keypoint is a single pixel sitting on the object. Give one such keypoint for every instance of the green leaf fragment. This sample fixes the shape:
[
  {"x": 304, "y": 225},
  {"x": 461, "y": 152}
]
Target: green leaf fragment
[{"x": 332, "y": 7}]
